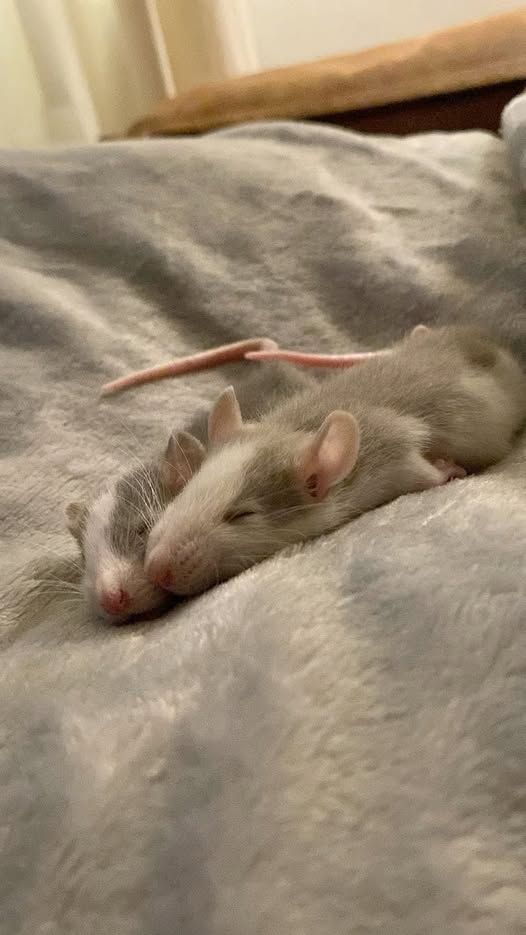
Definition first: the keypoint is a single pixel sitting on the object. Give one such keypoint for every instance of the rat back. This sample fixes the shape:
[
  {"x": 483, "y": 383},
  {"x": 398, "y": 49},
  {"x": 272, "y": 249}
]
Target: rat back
[{"x": 467, "y": 390}]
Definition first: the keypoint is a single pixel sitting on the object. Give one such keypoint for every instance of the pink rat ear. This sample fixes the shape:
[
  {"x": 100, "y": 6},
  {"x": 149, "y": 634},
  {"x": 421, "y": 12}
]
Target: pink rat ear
[
  {"x": 183, "y": 456},
  {"x": 225, "y": 419},
  {"x": 330, "y": 455}
]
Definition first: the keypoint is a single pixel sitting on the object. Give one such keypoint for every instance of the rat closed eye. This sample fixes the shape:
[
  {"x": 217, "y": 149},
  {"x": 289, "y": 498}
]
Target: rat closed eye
[{"x": 232, "y": 516}]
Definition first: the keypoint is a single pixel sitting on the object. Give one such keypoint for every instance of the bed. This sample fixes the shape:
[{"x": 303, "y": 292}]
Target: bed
[{"x": 332, "y": 742}]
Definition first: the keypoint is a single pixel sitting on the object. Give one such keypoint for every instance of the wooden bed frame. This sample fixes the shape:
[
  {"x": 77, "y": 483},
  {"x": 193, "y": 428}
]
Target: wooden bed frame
[{"x": 475, "y": 109}]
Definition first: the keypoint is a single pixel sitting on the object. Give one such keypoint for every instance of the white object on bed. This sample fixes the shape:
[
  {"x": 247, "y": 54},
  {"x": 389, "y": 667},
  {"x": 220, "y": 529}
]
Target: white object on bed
[{"x": 513, "y": 129}]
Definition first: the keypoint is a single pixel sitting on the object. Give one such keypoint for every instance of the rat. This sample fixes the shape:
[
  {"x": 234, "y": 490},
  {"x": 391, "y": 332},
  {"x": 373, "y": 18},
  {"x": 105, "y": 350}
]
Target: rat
[
  {"x": 112, "y": 530},
  {"x": 443, "y": 402}
]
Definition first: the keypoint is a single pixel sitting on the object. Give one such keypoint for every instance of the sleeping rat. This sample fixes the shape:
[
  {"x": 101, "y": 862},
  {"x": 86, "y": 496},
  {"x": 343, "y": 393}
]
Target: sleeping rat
[
  {"x": 112, "y": 531},
  {"x": 444, "y": 401}
]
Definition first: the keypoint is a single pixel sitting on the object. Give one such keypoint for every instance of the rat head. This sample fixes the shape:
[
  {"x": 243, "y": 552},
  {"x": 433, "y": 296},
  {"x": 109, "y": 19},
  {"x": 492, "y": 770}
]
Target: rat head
[
  {"x": 113, "y": 530},
  {"x": 262, "y": 488}
]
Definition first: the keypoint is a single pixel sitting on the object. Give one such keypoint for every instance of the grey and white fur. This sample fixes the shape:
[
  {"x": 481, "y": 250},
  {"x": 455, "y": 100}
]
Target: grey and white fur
[
  {"x": 112, "y": 530},
  {"x": 443, "y": 402}
]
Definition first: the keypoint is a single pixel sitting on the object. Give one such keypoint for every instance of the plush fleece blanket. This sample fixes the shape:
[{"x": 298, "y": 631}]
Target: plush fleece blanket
[{"x": 333, "y": 743}]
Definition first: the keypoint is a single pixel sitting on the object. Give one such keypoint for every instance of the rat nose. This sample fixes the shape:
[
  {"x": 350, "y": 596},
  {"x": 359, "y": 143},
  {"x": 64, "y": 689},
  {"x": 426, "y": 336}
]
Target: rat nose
[
  {"x": 158, "y": 572},
  {"x": 115, "y": 601}
]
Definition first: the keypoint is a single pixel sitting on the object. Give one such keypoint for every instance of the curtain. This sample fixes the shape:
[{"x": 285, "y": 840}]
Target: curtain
[
  {"x": 207, "y": 40},
  {"x": 75, "y": 70}
]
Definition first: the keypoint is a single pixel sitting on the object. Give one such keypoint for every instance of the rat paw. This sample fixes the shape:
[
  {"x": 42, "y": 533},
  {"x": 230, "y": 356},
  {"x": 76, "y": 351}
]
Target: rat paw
[{"x": 449, "y": 470}]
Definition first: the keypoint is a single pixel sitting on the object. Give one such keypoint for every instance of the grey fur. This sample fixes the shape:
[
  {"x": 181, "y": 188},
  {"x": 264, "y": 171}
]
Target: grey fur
[{"x": 140, "y": 496}]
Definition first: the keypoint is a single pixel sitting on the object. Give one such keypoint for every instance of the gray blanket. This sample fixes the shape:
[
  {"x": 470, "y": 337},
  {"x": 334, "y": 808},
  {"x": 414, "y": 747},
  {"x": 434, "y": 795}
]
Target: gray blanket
[{"x": 334, "y": 742}]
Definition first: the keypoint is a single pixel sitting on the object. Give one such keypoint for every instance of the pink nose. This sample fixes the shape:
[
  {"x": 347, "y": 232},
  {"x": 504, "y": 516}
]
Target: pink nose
[
  {"x": 114, "y": 602},
  {"x": 159, "y": 573}
]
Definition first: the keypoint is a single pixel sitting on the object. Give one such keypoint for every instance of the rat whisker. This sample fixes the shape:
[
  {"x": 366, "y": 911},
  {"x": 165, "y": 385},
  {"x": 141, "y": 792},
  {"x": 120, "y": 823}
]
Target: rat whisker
[
  {"x": 130, "y": 454},
  {"x": 182, "y": 451},
  {"x": 53, "y": 579},
  {"x": 147, "y": 519},
  {"x": 284, "y": 512},
  {"x": 43, "y": 587},
  {"x": 144, "y": 500},
  {"x": 142, "y": 479}
]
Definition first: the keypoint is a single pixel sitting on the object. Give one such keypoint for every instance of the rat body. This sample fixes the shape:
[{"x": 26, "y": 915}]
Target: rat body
[
  {"x": 112, "y": 530},
  {"x": 442, "y": 402}
]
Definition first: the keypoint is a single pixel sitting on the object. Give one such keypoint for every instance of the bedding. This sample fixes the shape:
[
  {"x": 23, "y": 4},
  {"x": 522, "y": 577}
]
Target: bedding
[
  {"x": 513, "y": 129},
  {"x": 332, "y": 742}
]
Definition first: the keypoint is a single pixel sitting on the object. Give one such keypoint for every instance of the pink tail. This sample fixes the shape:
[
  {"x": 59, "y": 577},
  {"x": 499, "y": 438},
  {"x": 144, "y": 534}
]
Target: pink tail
[
  {"x": 314, "y": 360},
  {"x": 225, "y": 354}
]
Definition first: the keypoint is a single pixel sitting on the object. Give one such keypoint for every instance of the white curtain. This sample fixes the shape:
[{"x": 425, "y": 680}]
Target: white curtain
[
  {"x": 207, "y": 40},
  {"x": 75, "y": 70}
]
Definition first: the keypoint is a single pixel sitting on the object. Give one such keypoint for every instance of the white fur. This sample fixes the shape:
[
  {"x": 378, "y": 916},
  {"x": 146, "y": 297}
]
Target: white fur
[
  {"x": 105, "y": 570},
  {"x": 183, "y": 531}
]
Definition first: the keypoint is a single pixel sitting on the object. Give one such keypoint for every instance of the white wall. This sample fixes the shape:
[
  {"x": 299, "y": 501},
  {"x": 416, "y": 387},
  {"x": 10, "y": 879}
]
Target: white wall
[{"x": 288, "y": 31}]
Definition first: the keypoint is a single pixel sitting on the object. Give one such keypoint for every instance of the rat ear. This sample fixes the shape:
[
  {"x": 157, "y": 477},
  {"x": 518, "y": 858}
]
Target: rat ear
[
  {"x": 419, "y": 329},
  {"x": 330, "y": 455},
  {"x": 225, "y": 419},
  {"x": 76, "y": 516},
  {"x": 183, "y": 456}
]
